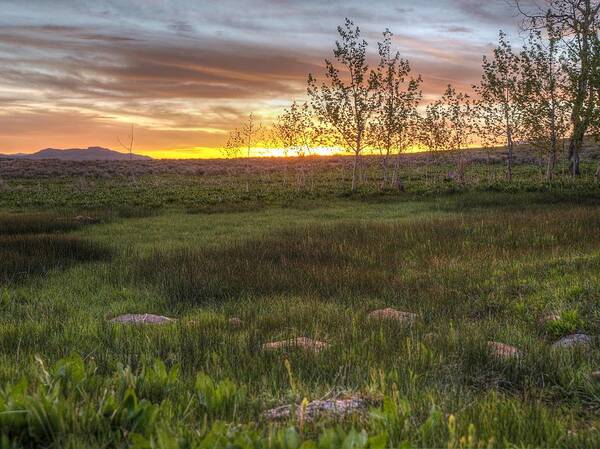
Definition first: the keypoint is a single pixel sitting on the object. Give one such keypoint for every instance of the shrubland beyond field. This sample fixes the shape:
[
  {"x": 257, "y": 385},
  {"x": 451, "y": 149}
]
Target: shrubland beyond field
[
  {"x": 244, "y": 184},
  {"x": 282, "y": 246}
]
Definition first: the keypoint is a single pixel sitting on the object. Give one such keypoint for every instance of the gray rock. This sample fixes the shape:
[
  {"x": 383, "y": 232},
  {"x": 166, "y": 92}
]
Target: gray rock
[
  {"x": 337, "y": 408},
  {"x": 142, "y": 318},
  {"x": 303, "y": 343},
  {"x": 390, "y": 314},
  {"x": 573, "y": 341}
]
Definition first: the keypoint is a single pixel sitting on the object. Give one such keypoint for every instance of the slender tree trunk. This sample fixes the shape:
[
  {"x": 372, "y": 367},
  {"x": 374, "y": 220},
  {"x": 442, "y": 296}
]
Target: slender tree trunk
[
  {"x": 553, "y": 150},
  {"x": 574, "y": 149},
  {"x": 384, "y": 166},
  {"x": 581, "y": 115},
  {"x": 551, "y": 162},
  {"x": 509, "y": 140},
  {"x": 394, "y": 176},
  {"x": 510, "y": 144},
  {"x": 354, "y": 168}
]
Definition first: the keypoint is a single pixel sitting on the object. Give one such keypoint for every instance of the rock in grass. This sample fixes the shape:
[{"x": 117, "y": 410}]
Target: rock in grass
[
  {"x": 574, "y": 341},
  {"x": 550, "y": 318},
  {"x": 142, "y": 318},
  {"x": 303, "y": 343},
  {"x": 235, "y": 323},
  {"x": 595, "y": 376},
  {"x": 502, "y": 350},
  {"x": 337, "y": 408},
  {"x": 85, "y": 219},
  {"x": 393, "y": 315}
]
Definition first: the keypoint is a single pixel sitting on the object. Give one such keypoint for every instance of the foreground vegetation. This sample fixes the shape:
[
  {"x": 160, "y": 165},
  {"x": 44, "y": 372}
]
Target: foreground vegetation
[{"x": 475, "y": 266}]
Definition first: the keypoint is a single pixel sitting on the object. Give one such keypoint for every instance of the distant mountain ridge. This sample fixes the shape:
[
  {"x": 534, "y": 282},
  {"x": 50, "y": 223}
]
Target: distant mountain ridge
[{"x": 79, "y": 154}]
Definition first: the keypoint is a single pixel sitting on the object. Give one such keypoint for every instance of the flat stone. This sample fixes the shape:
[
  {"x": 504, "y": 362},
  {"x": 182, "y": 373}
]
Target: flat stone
[
  {"x": 337, "y": 408},
  {"x": 573, "y": 341},
  {"x": 551, "y": 317},
  {"x": 393, "y": 315},
  {"x": 142, "y": 318},
  {"x": 595, "y": 376},
  {"x": 502, "y": 350},
  {"x": 84, "y": 219},
  {"x": 304, "y": 343},
  {"x": 235, "y": 322}
]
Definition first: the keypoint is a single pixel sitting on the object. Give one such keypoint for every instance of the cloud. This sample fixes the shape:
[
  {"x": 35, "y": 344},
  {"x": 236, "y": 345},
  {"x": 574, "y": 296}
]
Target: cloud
[
  {"x": 497, "y": 12},
  {"x": 39, "y": 129},
  {"x": 457, "y": 29},
  {"x": 181, "y": 68}
]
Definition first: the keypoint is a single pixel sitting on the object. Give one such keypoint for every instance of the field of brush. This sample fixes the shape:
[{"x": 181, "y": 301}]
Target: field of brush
[{"x": 287, "y": 252}]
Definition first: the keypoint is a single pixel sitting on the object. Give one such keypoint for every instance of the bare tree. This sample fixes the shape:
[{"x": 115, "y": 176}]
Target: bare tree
[
  {"x": 128, "y": 145},
  {"x": 247, "y": 136},
  {"x": 458, "y": 109},
  {"x": 250, "y": 133},
  {"x": 499, "y": 99},
  {"x": 578, "y": 24},
  {"x": 392, "y": 129},
  {"x": 233, "y": 145},
  {"x": 434, "y": 130},
  {"x": 295, "y": 130},
  {"x": 346, "y": 100}
]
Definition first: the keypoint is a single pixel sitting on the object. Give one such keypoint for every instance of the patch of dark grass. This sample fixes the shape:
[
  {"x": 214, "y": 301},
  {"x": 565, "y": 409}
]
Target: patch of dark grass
[
  {"x": 513, "y": 201},
  {"x": 66, "y": 221},
  {"x": 429, "y": 260},
  {"x": 22, "y": 256},
  {"x": 227, "y": 207},
  {"x": 39, "y": 223}
]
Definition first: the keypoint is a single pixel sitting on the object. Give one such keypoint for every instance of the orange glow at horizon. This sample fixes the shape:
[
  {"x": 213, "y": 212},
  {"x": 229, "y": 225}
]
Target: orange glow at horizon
[{"x": 217, "y": 153}]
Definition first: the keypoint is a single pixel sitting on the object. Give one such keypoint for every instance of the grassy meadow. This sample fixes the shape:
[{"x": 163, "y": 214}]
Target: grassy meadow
[{"x": 286, "y": 250}]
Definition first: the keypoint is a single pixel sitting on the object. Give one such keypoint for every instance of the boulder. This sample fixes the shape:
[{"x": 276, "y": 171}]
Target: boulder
[
  {"x": 336, "y": 408},
  {"x": 502, "y": 350},
  {"x": 141, "y": 318},
  {"x": 574, "y": 341},
  {"x": 303, "y": 343},
  {"x": 393, "y": 315}
]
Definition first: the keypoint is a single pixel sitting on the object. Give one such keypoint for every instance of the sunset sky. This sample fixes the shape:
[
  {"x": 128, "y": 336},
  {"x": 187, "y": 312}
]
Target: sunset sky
[{"x": 77, "y": 73}]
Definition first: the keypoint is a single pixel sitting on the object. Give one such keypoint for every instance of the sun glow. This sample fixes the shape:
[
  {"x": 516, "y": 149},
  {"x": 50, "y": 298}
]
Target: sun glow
[{"x": 218, "y": 153}]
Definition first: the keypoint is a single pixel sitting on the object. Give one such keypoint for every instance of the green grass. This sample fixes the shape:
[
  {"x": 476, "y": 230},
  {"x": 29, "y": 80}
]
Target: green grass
[
  {"x": 475, "y": 266},
  {"x": 230, "y": 188}
]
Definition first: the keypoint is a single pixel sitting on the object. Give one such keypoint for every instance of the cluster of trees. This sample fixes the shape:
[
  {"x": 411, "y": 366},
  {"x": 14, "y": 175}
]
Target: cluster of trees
[{"x": 545, "y": 94}]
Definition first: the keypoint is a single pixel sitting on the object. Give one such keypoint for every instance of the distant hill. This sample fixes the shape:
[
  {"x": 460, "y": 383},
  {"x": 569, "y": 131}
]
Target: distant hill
[{"x": 79, "y": 154}]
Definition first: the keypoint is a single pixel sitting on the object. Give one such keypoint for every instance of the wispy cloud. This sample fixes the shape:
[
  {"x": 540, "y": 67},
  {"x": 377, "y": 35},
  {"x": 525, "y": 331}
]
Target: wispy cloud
[{"x": 186, "y": 70}]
